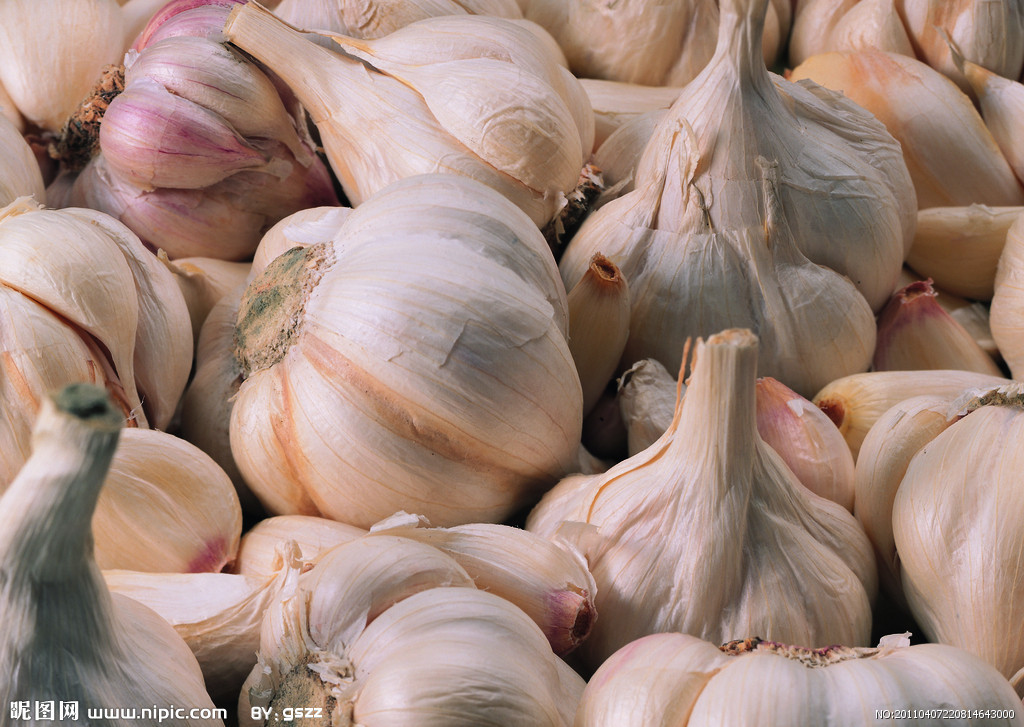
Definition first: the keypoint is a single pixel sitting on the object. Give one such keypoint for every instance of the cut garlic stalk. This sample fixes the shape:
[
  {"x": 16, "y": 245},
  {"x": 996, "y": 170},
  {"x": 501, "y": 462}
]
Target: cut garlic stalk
[
  {"x": 935, "y": 122},
  {"x": 959, "y": 247},
  {"x": 914, "y": 333},
  {"x": 737, "y": 533},
  {"x": 598, "y": 326},
  {"x": 1007, "y": 312},
  {"x": 682, "y": 681},
  {"x": 62, "y": 632},
  {"x": 856, "y": 402}
]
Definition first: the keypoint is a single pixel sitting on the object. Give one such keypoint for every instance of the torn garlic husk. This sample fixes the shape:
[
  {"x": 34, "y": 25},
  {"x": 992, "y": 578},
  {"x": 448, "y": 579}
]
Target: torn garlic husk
[
  {"x": 680, "y": 680},
  {"x": 429, "y": 336},
  {"x": 956, "y": 522},
  {"x": 63, "y": 634},
  {"x": 738, "y": 535},
  {"x": 348, "y": 643}
]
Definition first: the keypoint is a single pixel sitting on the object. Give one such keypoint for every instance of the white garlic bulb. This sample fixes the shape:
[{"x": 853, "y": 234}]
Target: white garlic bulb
[{"x": 737, "y": 534}]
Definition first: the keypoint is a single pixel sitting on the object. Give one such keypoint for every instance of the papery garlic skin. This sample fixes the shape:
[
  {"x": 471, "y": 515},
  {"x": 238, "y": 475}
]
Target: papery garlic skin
[
  {"x": 314, "y": 536},
  {"x": 839, "y": 25},
  {"x": 20, "y": 175},
  {"x": 647, "y": 395},
  {"x": 1007, "y": 310},
  {"x": 714, "y": 496},
  {"x": 956, "y": 525},
  {"x": 50, "y": 56},
  {"x": 615, "y": 102},
  {"x": 465, "y": 425},
  {"x": 934, "y": 121},
  {"x": 61, "y": 631},
  {"x": 676, "y": 679}
]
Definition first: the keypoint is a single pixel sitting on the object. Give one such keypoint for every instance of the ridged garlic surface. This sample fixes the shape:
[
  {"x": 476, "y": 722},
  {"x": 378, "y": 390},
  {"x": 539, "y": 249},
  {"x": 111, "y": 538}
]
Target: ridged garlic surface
[
  {"x": 737, "y": 534},
  {"x": 957, "y": 528},
  {"x": 351, "y": 638},
  {"x": 682, "y": 681},
  {"x": 418, "y": 361},
  {"x": 61, "y": 631},
  {"x": 1007, "y": 311},
  {"x": 935, "y": 123},
  {"x": 496, "y": 105}
]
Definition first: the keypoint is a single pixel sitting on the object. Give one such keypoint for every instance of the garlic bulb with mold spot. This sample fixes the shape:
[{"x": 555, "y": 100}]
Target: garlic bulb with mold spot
[
  {"x": 682, "y": 681},
  {"x": 50, "y": 57},
  {"x": 700, "y": 169},
  {"x": 20, "y": 175},
  {"x": 62, "y": 633},
  {"x": 354, "y": 638},
  {"x": 468, "y": 420},
  {"x": 856, "y": 402},
  {"x": 914, "y": 332},
  {"x": 737, "y": 534},
  {"x": 495, "y": 106},
  {"x": 935, "y": 123},
  {"x": 956, "y": 523},
  {"x": 1007, "y": 310}
]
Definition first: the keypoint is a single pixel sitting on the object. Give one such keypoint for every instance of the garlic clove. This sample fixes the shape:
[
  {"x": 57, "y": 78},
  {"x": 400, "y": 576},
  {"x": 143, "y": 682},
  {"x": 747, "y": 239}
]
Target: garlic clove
[
  {"x": 203, "y": 281},
  {"x": 549, "y": 581},
  {"x": 198, "y": 18},
  {"x": 814, "y": 24},
  {"x": 9, "y": 111},
  {"x": 152, "y": 137},
  {"x": 972, "y": 315},
  {"x": 257, "y": 551},
  {"x": 647, "y": 395},
  {"x": 959, "y": 247},
  {"x": 914, "y": 333},
  {"x": 167, "y": 507},
  {"x": 872, "y": 24},
  {"x": 217, "y": 614},
  {"x": 935, "y": 122},
  {"x": 1007, "y": 311},
  {"x": 855, "y": 402},
  {"x": 50, "y": 57},
  {"x": 615, "y": 102},
  {"x": 895, "y": 437},
  {"x": 20, "y": 175},
  {"x": 598, "y": 326}
]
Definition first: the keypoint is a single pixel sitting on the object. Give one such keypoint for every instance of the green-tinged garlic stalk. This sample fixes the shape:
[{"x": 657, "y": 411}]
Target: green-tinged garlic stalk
[
  {"x": 915, "y": 332},
  {"x": 104, "y": 287},
  {"x": 385, "y": 630},
  {"x": 63, "y": 636},
  {"x": 20, "y": 175},
  {"x": 956, "y": 522},
  {"x": 854, "y": 403},
  {"x": 1007, "y": 311},
  {"x": 737, "y": 534},
  {"x": 650, "y": 42},
  {"x": 471, "y": 95},
  {"x": 676, "y": 680},
  {"x": 200, "y": 152},
  {"x": 416, "y": 361},
  {"x": 935, "y": 122}
]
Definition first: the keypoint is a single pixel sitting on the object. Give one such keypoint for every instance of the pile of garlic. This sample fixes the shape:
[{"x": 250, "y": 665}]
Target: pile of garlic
[{"x": 519, "y": 362}]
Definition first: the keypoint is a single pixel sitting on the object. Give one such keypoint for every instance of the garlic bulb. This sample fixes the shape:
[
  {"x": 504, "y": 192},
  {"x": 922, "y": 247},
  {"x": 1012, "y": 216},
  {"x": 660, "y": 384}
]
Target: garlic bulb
[
  {"x": 495, "y": 105},
  {"x": 737, "y": 534},
  {"x": 388, "y": 631},
  {"x": 991, "y": 34},
  {"x": 1007, "y": 311},
  {"x": 895, "y": 437},
  {"x": 598, "y": 326},
  {"x": 342, "y": 414},
  {"x": 854, "y": 403},
  {"x": 50, "y": 57},
  {"x": 166, "y": 507},
  {"x": 959, "y": 247},
  {"x": 914, "y": 332},
  {"x": 839, "y": 25},
  {"x": 301, "y": 229},
  {"x": 62, "y": 633},
  {"x": 377, "y": 18},
  {"x": 956, "y": 523},
  {"x": 217, "y": 614},
  {"x": 20, "y": 175},
  {"x": 676, "y": 679},
  {"x": 934, "y": 121}
]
